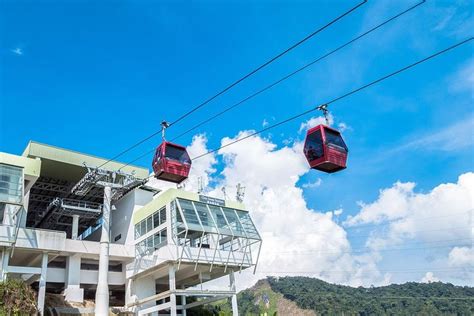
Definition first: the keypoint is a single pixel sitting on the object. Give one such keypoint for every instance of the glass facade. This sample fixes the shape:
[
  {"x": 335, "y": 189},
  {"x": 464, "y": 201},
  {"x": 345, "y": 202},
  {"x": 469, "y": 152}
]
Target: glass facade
[
  {"x": 11, "y": 184},
  {"x": 200, "y": 226},
  {"x": 151, "y": 222},
  {"x": 209, "y": 226}
]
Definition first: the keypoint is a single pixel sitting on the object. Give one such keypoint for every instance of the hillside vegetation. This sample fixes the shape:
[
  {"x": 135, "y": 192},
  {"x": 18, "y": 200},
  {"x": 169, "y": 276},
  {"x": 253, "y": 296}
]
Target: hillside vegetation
[{"x": 308, "y": 296}]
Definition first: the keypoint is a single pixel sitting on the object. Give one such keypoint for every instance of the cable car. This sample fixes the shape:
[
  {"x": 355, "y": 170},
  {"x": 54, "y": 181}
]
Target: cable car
[
  {"x": 325, "y": 149},
  {"x": 171, "y": 162}
]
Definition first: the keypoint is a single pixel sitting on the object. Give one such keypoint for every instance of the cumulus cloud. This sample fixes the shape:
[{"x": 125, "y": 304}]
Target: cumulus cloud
[
  {"x": 429, "y": 278},
  {"x": 314, "y": 121},
  {"x": 442, "y": 214},
  {"x": 297, "y": 239},
  {"x": 461, "y": 257}
]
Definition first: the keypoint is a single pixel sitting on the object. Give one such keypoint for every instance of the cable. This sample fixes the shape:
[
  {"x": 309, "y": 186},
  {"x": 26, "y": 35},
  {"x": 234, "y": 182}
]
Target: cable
[
  {"x": 267, "y": 63},
  {"x": 194, "y": 109},
  {"x": 268, "y": 87},
  {"x": 340, "y": 97}
]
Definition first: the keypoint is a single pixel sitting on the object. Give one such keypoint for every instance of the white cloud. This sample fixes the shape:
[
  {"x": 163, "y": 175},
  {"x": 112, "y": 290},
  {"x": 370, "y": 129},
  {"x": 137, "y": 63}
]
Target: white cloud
[
  {"x": 463, "y": 79},
  {"x": 457, "y": 136},
  {"x": 17, "y": 51},
  {"x": 265, "y": 123},
  {"x": 314, "y": 121},
  {"x": 429, "y": 278},
  {"x": 461, "y": 257},
  {"x": 296, "y": 238},
  {"x": 312, "y": 185},
  {"x": 442, "y": 214}
]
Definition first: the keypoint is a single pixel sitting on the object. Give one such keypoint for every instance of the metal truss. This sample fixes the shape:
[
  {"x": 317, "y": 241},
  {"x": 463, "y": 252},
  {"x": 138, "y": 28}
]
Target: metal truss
[{"x": 120, "y": 182}]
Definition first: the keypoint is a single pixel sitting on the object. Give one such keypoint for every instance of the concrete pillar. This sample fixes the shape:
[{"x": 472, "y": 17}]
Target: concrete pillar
[
  {"x": 235, "y": 308},
  {"x": 172, "y": 280},
  {"x": 75, "y": 226},
  {"x": 102, "y": 293},
  {"x": 42, "y": 283},
  {"x": 73, "y": 291}
]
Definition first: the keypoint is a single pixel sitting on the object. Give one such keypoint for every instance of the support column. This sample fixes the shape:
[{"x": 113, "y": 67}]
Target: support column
[
  {"x": 75, "y": 227},
  {"x": 4, "y": 264},
  {"x": 42, "y": 283},
  {"x": 102, "y": 293},
  {"x": 172, "y": 280},
  {"x": 73, "y": 291},
  {"x": 235, "y": 308}
]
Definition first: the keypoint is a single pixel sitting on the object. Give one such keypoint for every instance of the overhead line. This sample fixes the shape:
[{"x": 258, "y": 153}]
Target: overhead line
[
  {"x": 268, "y": 62},
  {"x": 299, "y": 70},
  {"x": 240, "y": 80},
  {"x": 340, "y": 97},
  {"x": 268, "y": 87}
]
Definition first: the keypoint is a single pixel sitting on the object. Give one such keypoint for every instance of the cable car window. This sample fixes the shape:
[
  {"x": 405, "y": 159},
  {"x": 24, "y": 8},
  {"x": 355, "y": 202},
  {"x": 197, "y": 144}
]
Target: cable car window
[
  {"x": 178, "y": 154},
  {"x": 314, "y": 145},
  {"x": 334, "y": 138}
]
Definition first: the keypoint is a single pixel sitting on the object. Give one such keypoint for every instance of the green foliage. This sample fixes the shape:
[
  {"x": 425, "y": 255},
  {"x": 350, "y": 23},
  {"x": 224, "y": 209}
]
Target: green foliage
[
  {"x": 404, "y": 299},
  {"x": 17, "y": 298}
]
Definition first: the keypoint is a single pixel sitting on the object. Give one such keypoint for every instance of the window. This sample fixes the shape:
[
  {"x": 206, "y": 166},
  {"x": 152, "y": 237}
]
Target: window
[
  {"x": 178, "y": 154},
  {"x": 162, "y": 215},
  {"x": 11, "y": 184},
  {"x": 188, "y": 211},
  {"x": 313, "y": 147},
  {"x": 149, "y": 224},
  {"x": 156, "y": 220},
  {"x": 334, "y": 138}
]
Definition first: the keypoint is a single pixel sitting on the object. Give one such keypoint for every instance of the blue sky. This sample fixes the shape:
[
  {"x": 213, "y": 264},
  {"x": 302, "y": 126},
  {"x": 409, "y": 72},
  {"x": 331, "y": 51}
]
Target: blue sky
[{"x": 98, "y": 76}]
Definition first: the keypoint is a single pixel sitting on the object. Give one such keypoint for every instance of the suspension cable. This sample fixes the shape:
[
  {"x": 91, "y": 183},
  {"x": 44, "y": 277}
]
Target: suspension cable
[
  {"x": 340, "y": 97},
  {"x": 268, "y": 87},
  {"x": 194, "y": 109}
]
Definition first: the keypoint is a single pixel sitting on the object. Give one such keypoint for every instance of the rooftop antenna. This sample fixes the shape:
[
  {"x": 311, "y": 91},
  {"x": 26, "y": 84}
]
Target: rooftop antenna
[
  {"x": 240, "y": 193},
  {"x": 225, "y": 194},
  {"x": 200, "y": 185}
]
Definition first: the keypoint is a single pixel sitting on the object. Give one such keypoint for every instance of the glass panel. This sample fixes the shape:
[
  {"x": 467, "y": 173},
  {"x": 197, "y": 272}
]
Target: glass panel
[
  {"x": 205, "y": 217},
  {"x": 149, "y": 223},
  {"x": 137, "y": 231},
  {"x": 335, "y": 139},
  {"x": 11, "y": 184},
  {"x": 178, "y": 154},
  {"x": 188, "y": 211},
  {"x": 149, "y": 242},
  {"x": 156, "y": 220},
  {"x": 156, "y": 240},
  {"x": 218, "y": 217},
  {"x": 142, "y": 227},
  {"x": 234, "y": 222},
  {"x": 163, "y": 215},
  {"x": 313, "y": 147},
  {"x": 164, "y": 236},
  {"x": 248, "y": 224}
]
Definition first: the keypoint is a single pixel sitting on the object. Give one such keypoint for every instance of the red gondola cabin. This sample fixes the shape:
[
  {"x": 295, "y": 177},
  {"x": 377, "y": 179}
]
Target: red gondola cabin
[
  {"x": 171, "y": 163},
  {"x": 325, "y": 149}
]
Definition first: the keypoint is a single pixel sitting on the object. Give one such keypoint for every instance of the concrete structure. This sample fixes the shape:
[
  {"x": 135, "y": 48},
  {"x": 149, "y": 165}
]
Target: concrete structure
[{"x": 160, "y": 246}]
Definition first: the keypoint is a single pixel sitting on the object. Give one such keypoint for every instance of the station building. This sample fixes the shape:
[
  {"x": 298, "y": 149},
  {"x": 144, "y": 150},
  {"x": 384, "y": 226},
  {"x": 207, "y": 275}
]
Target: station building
[{"x": 162, "y": 246}]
